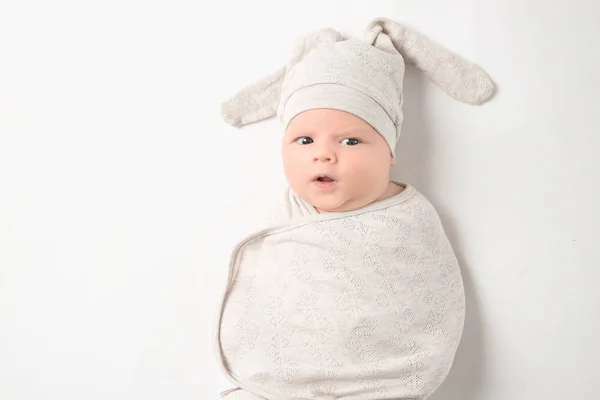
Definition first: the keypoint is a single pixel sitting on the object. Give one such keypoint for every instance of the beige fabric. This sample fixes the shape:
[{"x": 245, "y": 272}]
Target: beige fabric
[
  {"x": 363, "y": 77},
  {"x": 366, "y": 304}
]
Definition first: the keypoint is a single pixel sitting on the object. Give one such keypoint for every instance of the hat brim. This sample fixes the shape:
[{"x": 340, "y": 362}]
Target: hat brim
[{"x": 343, "y": 98}]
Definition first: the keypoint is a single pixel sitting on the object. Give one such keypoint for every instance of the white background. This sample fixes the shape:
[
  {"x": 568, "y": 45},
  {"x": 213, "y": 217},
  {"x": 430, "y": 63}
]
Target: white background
[{"x": 122, "y": 191}]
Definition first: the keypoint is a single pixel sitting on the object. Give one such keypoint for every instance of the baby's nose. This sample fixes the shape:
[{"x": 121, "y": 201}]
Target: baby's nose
[
  {"x": 324, "y": 152},
  {"x": 324, "y": 157}
]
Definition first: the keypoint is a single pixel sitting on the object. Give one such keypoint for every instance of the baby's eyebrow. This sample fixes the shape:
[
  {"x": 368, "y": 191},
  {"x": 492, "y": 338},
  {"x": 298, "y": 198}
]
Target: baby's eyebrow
[
  {"x": 349, "y": 132},
  {"x": 336, "y": 133},
  {"x": 300, "y": 133}
]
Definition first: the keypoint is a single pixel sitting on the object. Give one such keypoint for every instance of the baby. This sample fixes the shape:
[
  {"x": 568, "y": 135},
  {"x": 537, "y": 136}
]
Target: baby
[{"x": 353, "y": 292}]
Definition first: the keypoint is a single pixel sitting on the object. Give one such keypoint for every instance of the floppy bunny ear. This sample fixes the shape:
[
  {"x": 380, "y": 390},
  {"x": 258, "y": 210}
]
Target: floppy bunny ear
[
  {"x": 458, "y": 77},
  {"x": 255, "y": 102},
  {"x": 260, "y": 100}
]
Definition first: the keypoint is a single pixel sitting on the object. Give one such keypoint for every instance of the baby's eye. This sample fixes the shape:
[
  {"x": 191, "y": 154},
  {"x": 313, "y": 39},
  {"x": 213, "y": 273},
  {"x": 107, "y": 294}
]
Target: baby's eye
[
  {"x": 351, "y": 142},
  {"x": 304, "y": 140}
]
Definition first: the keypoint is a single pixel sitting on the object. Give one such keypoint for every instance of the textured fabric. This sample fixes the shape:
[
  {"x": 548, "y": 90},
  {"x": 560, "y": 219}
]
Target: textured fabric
[
  {"x": 370, "y": 71},
  {"x": 365, "y": 304}
]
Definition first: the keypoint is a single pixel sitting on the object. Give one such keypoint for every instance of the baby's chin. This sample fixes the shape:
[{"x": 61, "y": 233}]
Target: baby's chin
[
  {"x": 333, "y": 204},
  {"x": 338, "y": 198}
]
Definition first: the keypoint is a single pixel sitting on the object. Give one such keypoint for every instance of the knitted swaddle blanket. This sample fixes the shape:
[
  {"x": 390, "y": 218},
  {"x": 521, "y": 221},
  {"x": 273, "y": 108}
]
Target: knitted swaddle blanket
[{"x": 363, "y": 304}]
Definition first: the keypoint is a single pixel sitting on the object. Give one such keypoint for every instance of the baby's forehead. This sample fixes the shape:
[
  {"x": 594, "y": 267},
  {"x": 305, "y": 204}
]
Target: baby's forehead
[{"x": 329, "y": 122}]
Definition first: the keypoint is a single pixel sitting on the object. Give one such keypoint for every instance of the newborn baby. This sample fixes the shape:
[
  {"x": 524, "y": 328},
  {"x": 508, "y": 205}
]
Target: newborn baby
[{"x": 353, "y": 292}]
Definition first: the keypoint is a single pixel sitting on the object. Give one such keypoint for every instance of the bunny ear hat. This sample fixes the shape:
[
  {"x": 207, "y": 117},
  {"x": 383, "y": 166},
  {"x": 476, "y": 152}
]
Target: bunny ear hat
[{"x": 363, "y": 77}]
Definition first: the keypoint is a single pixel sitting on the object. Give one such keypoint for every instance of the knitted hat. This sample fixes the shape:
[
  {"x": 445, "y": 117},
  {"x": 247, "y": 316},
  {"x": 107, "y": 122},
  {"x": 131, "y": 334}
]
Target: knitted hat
[{"x": 363, "y": 77}]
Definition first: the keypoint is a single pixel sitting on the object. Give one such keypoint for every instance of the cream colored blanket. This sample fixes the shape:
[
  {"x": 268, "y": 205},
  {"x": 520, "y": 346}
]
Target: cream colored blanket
[{"x": 366, "y": 304}]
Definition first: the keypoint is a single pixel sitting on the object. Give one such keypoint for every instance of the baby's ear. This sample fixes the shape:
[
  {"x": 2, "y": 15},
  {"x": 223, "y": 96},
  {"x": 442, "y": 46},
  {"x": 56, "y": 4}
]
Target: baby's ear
[
  {"x": 260, "y": 100},
  {"x": 463, "y": 80}
]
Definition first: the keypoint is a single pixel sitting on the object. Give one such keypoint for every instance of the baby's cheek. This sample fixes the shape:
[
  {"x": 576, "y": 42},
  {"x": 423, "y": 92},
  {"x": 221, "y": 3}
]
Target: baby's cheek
[
  {"x": 291, "y": 164},
  {"x": 367, "y": 170}
]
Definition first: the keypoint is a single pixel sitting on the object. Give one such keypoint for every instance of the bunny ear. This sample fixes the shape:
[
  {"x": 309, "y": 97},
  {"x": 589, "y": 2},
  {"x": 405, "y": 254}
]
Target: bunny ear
[
  {"x": 255, "y": 102},
  {"x": 260, "y": 100},
  {"x": 458, "y": 77}
]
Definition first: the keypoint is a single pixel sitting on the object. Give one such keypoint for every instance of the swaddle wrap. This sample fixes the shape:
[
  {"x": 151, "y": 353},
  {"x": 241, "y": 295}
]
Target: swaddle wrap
[{"x": 364, "y": 304}]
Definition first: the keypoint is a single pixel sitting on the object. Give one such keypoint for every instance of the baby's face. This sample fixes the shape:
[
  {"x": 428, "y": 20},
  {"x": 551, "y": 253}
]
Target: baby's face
[{"x": 335, "y": 160}]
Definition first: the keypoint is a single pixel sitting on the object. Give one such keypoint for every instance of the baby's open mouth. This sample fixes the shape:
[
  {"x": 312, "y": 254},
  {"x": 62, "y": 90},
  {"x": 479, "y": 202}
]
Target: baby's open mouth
[
  {"x": 324, "y": 182},
  {"x": 324, "y": 179}
]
